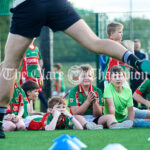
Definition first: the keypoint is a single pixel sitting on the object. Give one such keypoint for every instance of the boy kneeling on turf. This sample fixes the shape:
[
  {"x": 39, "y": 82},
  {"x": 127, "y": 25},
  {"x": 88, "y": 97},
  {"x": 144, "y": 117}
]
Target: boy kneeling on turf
[
  {"x": 119, "y": 102},
  {"x": 86, "y": 99}
]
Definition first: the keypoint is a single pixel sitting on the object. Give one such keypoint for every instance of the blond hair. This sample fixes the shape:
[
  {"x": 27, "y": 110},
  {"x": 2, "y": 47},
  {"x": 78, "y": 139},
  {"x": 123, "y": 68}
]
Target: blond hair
[{"x": 112, "y": 27}]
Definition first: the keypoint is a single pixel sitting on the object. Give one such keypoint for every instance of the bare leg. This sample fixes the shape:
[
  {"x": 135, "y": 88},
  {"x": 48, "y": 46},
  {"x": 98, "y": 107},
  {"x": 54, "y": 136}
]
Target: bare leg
[
  {"x": 107, "y": 120},
  {"x": 14, "y": 51},
  {"x": 20, "y": 125},
  {"x": 9, "y": 126},
  {"x": 85, "y": 36}
]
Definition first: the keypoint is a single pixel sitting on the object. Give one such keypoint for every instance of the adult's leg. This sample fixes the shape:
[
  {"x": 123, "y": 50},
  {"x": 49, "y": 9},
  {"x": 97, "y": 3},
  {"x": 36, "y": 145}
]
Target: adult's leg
[
  {"x": 14, "y": 51},
  {"x": 85, "y": 36},
  {"x": 16, "y": 46}
]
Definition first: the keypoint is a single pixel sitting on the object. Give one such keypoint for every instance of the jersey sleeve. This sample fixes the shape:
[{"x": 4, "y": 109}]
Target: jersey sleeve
[
  {"x": 107, "y": 92},
  {"x": 40, "y": 56},
  {"x": 72, "y": 98},
  {"x": 142, "y": 89}
]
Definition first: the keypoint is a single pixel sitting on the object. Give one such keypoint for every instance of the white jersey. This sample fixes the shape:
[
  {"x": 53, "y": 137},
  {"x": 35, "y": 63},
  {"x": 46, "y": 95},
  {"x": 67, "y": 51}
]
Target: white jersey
[{"x": 17, "y": 2}]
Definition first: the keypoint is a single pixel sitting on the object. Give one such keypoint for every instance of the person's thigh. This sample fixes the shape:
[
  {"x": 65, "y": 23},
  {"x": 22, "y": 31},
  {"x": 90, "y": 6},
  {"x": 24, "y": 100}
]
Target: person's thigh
[
  {"x": 15, "y": 49},
  {"x": 141, "y": 114}
]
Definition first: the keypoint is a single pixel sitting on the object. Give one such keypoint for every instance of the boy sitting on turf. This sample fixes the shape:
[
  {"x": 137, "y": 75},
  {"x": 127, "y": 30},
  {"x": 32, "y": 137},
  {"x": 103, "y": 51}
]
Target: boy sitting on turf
[
  {"x": 31, "y": 90},
  {"x": 144, "y": 88},
  {"x": 86, "y": 99},
  {"x": 16, "y": 110},
  {"x": 119, "y": 102}
]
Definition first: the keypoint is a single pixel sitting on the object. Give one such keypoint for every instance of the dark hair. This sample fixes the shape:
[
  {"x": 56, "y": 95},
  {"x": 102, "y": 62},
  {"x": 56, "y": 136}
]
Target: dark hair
[
  {"x": 86, "y": 68},
  {"x": 116, "y": 69},
  {"x": 54, "y": 100},
  {"x": 58, "y": 66},
  {"x": 29, "y": 86},
  {"x": 111, "y": 27}
]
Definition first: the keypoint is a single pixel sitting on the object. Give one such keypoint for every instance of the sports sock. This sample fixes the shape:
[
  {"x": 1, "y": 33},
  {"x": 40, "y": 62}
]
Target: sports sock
[
  {"x": 132, "y": 60},
  {"x": 2, "y": 112},
  {"x": 114, "y": 123},
  {"x": 85, "y": 126}
]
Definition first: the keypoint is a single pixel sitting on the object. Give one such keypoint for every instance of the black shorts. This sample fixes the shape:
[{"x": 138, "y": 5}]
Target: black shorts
[{"x": 30, "y": 16}]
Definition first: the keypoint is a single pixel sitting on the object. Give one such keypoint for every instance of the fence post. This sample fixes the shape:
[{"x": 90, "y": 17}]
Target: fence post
[{"x": 46, "y": 48}]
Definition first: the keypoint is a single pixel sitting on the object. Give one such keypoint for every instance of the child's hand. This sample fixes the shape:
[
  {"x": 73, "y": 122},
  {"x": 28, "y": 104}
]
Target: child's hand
[
  {"x": 91, "y": 97},
  {"x": 56, "y": 113},
  {"x": 9, "y": 117},
  {"x": 67, "y": 113},
  {"x": 16, "y": 119},
  {"x": 59, "y": 107}
]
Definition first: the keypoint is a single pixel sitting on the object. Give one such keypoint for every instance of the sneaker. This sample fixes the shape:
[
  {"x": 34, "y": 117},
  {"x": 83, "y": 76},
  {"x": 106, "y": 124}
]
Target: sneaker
[
  {"x": 144, "y": 67},
  {"x": 2, "y": 134},
  {"x": 123, "y": 125},
  {"x": 94, "y": 126}
]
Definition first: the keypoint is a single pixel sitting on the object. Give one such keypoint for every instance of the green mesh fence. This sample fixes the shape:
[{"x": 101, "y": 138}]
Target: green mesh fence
[{"x": 5, "y": 5}]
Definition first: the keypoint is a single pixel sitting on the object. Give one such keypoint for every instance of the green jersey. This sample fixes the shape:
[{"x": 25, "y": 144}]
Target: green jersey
[
  {"x": 144, "y": 88},
  {"x": 111, "y": 62},
  {"x": 30, "y": 65},
  {"x": 19, "y": 99},
  {"x": 59, "y": 79},
  {"x": 77, "y": 97},
  {"x": 121, "y": 101}
]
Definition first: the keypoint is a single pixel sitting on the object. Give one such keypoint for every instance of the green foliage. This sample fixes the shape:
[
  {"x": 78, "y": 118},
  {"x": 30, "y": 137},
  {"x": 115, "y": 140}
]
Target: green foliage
[{"x": 5, "y": 6}]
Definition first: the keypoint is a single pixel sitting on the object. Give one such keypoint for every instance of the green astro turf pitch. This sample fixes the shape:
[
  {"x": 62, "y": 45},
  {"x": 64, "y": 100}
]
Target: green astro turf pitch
[{"x": 132, "y": 139}]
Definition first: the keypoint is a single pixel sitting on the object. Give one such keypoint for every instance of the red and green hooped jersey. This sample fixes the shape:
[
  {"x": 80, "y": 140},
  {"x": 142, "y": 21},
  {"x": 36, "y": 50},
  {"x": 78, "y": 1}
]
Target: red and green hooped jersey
[
  {"x": 111, "y": 62},
  {"x": 40, "y": 122},
  {"x": 144, "y": 88},
  {"x": 30, "y": 68},
  {"x": 77, "y": 97},
  {"x": 19, "y": 99},
  {"x": 59, "y": 78}
]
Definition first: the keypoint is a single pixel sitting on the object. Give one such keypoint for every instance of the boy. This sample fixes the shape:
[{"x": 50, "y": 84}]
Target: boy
[
  {"x": 16, "y": 110},
  {"x": 118, "y": 100},
  {"x": 144, "y": 88},
  {"x": 59, "y": 87},
  {"x": 57, "y": 118},
  {"x": 59, "y": 16},
  {"x": 85, "y": 99},
  {"x": 31, "y": 89},
  {"x": 115, "y": 32},
  {"x": 31, "y": 69}
]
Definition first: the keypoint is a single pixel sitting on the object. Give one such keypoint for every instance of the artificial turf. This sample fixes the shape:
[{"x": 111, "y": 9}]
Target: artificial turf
[{"x": 132, "y": 139}]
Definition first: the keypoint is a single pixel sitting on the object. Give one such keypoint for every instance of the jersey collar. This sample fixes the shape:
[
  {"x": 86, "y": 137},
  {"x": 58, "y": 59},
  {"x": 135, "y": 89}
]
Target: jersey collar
[{"x": 80, "y": 89}]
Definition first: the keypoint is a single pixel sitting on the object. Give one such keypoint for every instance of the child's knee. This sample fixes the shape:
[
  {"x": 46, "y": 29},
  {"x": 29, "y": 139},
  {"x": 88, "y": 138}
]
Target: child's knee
[
  {"x": 21, "y": 127},
  {"x": 9, "y": 127}
]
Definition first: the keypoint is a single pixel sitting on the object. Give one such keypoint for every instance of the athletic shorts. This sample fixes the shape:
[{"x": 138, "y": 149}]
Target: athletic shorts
[{"x": 31, "y": 15}]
